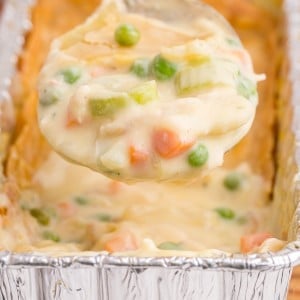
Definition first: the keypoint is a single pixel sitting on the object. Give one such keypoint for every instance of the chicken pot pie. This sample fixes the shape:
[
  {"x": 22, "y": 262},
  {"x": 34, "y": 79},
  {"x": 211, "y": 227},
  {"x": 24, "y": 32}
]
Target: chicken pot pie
[
  {"x": 134, "y": 106},
  {"x": 51, "y": 205}
]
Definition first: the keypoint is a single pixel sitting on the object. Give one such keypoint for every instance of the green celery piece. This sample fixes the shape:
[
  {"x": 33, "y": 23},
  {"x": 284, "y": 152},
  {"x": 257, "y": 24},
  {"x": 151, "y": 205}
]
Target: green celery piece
[
  {"x": 187, "y": 81},
  {"x": 144, "y": 93},
  {"x": 194, "y": 89},
  {"x": 169, "y": 246},
  {"x": 205, "y": 75},
  {"x": 245, "y": 86},
  {"x": 107, "y": 106}
]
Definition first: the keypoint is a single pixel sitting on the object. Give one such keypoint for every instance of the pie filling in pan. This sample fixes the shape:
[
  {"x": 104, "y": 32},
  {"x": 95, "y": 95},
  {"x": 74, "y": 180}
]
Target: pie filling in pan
[{"x": 52, "y": 234}]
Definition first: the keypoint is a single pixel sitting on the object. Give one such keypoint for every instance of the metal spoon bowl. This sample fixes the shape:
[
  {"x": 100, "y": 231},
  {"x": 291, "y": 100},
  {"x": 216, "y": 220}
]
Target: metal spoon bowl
[{"x": 178, "y": 11}]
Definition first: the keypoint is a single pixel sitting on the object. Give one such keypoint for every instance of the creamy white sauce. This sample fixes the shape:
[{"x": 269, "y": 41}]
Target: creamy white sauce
[
  {"x": 74, "y": 210},
  {"x": 125, "y": 144},
  {"x": 153, "y": 213}
]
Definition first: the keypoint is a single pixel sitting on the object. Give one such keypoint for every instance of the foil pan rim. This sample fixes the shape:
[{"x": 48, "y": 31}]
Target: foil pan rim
[
  {"x": 287, "y": 258},
  {"x": 12, "y": 10},
  {"x": 292, "y": 10}
]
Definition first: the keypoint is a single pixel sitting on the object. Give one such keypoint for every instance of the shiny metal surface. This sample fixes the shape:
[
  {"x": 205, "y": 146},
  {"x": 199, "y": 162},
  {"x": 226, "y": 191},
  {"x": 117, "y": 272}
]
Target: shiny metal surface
[
  {"x": 106, "y": 280},
  {"x": 186, "y": 11},
  {"x": 259, "y": 276},
  {"x": 11, "y": 39}
]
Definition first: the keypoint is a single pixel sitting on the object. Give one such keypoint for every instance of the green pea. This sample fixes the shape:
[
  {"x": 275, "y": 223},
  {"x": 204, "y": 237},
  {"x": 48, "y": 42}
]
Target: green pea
[
  {"x": 40, "y": 216},
  {"x": 141, "y": 67},
  {"x": 169, "y": 246},
  {"x": 163, "y": 69},
  {"x": 198, "y": 157},
  {"x": 233, "y": 181},
  {"x": 104, "y": 217},
  {"x": 127, "y": 35},
  {"x": 81, "y": 200},
  {"x": 225, "y": 213},
  {"x": 107, "y": 106},
  {"x": 71, "y": 75},
  {"x": 49, "y": 235},
  {"x": 246, "y": 87}
]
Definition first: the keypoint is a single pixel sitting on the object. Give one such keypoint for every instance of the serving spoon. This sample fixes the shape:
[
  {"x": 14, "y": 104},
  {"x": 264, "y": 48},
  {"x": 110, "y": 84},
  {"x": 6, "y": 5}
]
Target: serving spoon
[
  {"x": 119, "y": 138},
  {"x": 174, "y": 11}
]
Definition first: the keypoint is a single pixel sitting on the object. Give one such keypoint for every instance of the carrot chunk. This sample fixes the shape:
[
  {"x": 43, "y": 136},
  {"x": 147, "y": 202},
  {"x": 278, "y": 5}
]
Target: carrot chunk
[
  {"x": 249, "y": 242},
  {"x": 66, "y": 209},
  {"x": 123, "y": 241},
  {"x": 137, "y": 156},
  {"x": 114, "y": 187},
  {"x": 167, "y": 143},
  {"x": 71, "y": 121}
]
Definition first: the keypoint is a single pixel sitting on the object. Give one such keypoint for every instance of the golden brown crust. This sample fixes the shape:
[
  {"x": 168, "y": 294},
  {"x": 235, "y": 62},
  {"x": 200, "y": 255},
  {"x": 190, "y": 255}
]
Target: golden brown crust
[
  {"x": 260, "y": 32},
  {"x": 53, "y": 17},
  {"x": 50, "y": 18},
  {"x": 258, "y": 146}
]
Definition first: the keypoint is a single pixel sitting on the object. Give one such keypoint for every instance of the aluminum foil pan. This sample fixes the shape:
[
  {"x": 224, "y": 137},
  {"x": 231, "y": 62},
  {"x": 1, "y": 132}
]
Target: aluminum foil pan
[
  {"x": 12, "y": 10},
  {"x": 259, "y": 276},
  {"x": 11, "y": 41}
]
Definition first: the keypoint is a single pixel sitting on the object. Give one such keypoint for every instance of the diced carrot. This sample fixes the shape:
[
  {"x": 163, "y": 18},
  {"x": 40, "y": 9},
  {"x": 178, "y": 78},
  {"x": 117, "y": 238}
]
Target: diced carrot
[
  {"x": 123, "y": 241},
  {"x": 71, "y": 121},
  {"x": 167, "y": 143},
  {"x": 137, "y": 157},
  {"x": 114, "y": 187},
  {"x": 66, "y": 209},
  {"x": 249, "y": 242}
]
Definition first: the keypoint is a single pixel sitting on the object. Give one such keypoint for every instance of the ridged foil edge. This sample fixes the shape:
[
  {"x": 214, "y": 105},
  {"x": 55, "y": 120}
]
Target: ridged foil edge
[
  {"x": 12, "y": 10},
  {"x": 290, "y": 256},
  {"x": 293, "y": 11}
]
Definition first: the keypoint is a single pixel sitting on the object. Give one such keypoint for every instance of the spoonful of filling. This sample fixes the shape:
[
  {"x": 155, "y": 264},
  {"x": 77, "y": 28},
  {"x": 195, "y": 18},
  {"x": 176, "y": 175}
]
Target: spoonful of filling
[{"x": 138, "y": 97}]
